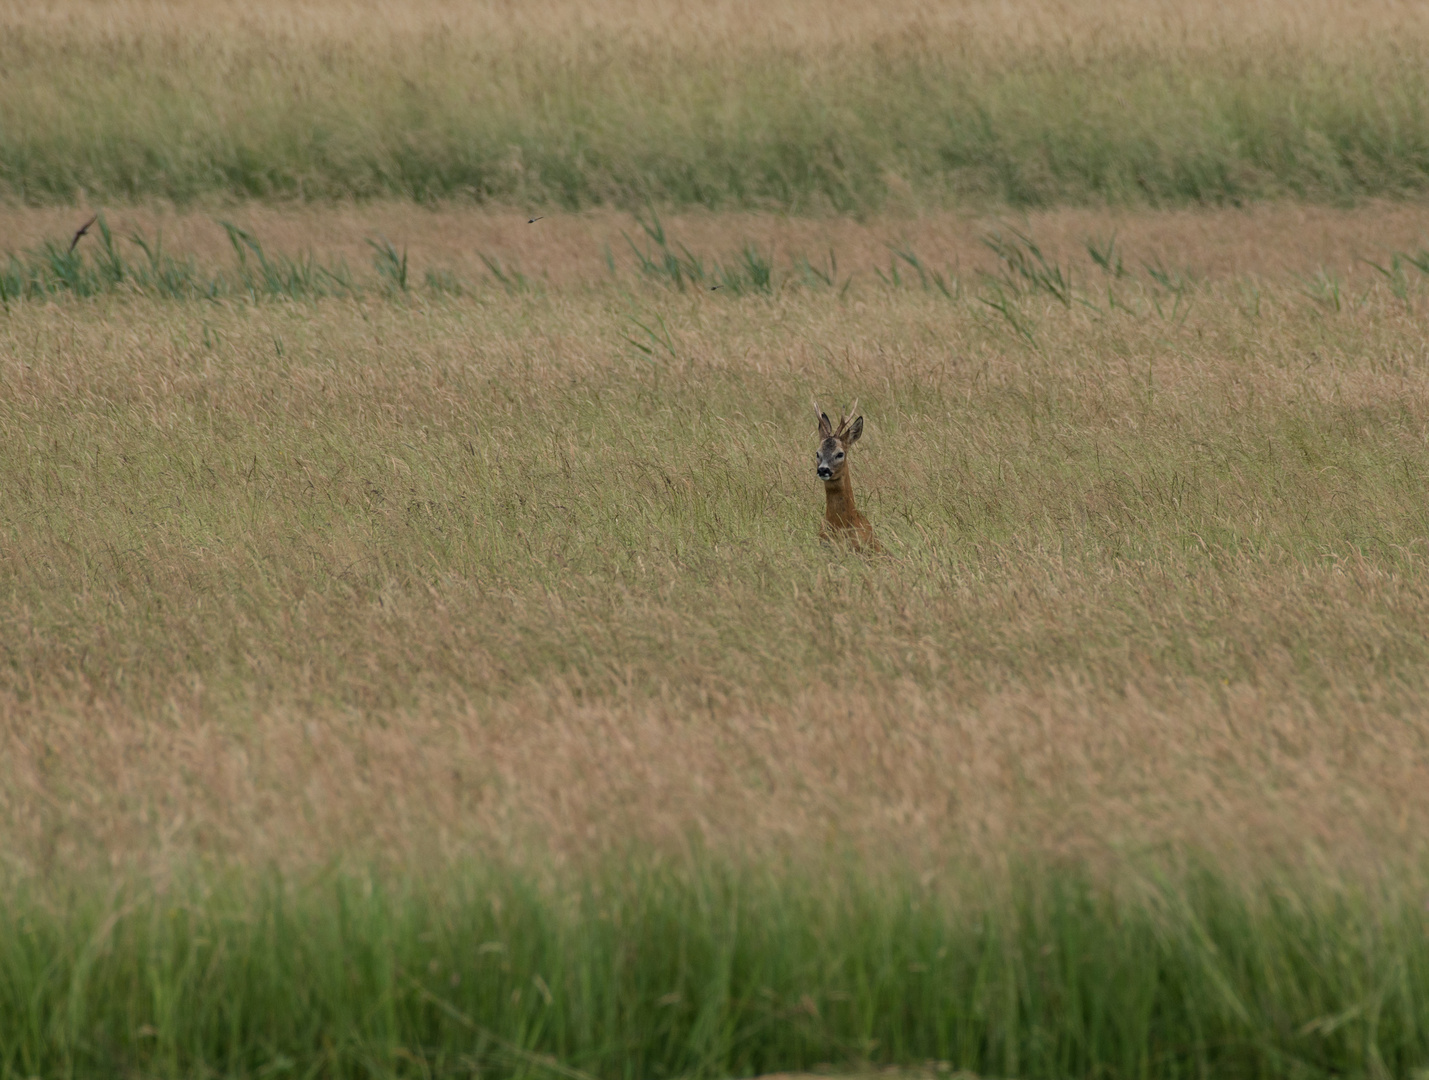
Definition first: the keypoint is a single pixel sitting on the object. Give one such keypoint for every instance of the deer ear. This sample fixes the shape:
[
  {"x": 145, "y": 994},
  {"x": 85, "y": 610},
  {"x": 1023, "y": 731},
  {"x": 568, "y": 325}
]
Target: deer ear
[
  {"x": 826, "y": 429},
  {"x": 854, "y": 431}
]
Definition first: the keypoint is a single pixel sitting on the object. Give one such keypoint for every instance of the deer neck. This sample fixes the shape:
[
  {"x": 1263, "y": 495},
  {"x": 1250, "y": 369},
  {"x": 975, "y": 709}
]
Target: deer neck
[{"x": 838, "y": 499}]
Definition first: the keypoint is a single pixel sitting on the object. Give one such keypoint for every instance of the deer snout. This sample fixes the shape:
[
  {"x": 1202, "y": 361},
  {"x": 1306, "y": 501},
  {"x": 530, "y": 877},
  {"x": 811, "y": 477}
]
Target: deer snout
[{"x": 825, "y": 473}]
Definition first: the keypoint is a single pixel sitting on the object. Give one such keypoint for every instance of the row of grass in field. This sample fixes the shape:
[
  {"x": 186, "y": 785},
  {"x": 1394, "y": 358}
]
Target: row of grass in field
[
  {"x": 57, "y": 269},
  {"x": 86, "y": 269},
  {"x": 612, "y": 121},
  {"x": 663, "y": 972}
]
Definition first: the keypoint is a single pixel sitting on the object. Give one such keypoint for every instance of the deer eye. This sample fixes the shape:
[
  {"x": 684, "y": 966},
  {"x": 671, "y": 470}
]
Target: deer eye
[{"x": 838, "y": 455}]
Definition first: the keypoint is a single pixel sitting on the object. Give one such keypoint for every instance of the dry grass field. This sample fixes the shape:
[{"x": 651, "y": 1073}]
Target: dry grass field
[
  {"x": 486, "y": 611},
  {"x": 417, "y": 657},
  {"x": 424, "y": 577}
]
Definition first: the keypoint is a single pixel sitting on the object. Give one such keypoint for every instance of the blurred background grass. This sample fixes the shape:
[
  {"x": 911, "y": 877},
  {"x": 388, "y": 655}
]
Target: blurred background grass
[{"x": 784, "y": 105}]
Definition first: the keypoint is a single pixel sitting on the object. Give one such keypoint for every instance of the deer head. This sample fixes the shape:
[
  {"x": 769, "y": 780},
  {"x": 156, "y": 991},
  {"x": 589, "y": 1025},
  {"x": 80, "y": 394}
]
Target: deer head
[{"x": 831, "y": 457}]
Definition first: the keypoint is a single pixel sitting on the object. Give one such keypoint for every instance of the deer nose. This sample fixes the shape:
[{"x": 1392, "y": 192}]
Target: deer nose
[{"x": 825, "y": 472}]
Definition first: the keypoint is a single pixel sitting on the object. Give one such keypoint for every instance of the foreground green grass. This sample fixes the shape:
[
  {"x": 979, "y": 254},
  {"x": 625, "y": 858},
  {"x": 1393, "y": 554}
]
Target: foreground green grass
[
  {"x": 696, "y": 971},
  {"x": 576, "y": 106}
]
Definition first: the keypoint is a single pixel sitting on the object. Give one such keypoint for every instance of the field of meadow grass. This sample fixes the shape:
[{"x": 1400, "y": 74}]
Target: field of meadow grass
[
  {"x": 440, "y": 674},
  {"x": 417, "y": 658},
  {"x": 791, "y": 104}
]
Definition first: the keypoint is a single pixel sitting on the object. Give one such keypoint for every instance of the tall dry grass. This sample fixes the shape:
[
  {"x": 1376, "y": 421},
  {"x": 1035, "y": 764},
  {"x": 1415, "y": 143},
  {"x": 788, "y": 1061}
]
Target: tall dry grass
[{"x": 426, "y": 578}]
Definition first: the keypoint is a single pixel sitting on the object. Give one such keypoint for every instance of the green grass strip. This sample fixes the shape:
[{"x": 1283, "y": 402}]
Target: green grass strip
[{"x": 716, "y": 971}]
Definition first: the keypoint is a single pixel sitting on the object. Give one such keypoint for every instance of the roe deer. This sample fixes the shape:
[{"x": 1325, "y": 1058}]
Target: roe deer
[{"x": 842, "y": 521}]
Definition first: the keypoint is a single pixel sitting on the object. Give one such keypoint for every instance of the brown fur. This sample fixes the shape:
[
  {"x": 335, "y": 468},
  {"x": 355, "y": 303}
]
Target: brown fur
[{"x": 842, "y": 520}]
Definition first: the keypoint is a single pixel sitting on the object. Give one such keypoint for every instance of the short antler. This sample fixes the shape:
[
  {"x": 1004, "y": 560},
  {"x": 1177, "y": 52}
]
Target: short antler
[{"x": 846, "y": 417}]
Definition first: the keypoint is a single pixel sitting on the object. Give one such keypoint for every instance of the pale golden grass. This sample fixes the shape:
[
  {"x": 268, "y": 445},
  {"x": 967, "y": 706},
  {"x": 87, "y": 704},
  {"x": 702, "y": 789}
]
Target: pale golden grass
[
  {"x": 412, "y": 581},
  {"x": 974, "y": 28}
]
